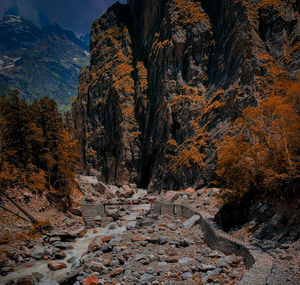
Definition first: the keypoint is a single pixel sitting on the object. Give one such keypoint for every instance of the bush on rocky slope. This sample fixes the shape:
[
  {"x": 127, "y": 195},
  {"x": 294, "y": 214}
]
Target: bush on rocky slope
[{"x": 262, "y": 150}]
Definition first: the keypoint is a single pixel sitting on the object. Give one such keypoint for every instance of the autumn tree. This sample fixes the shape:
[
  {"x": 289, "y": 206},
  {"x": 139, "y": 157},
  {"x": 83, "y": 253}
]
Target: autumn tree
[
  {"x": 36, "y": 150},
  {"x": 262, "y": 150}
]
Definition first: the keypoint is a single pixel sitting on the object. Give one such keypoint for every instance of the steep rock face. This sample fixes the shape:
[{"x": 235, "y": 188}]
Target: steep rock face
[
  {"x": 191, "y": 68},
  {"x": 111, "y": 96}
]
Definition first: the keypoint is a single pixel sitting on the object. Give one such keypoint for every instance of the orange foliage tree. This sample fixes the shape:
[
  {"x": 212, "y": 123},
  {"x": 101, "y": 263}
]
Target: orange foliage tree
[
  {"x": 36, "y": 151},
  {"x": 262, "y": 149}
]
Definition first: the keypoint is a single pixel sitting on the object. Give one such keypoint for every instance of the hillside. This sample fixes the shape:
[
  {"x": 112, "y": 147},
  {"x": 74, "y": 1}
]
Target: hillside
[
  {"x": 167, "y": 78},
  {"x": 40, "y": 62}
]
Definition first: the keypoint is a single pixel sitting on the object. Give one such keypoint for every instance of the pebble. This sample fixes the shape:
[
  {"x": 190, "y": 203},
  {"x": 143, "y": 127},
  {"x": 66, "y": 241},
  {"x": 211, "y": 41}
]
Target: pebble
[
  {"x": 146, "y": 278},
  {"x": 185, "y": 260},
  {"x": 186, "y": 275}
]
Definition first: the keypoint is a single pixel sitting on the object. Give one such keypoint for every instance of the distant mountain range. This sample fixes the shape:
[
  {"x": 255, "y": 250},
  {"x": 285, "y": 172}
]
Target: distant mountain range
[{"x": 40, "y": 61}]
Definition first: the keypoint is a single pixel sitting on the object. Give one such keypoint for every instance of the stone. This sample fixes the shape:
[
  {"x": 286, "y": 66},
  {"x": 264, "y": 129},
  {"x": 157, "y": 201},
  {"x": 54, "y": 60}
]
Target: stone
[
  {"x": 172, "y": 227},
  {"x": 63, "y": 245},
  {"x": 115, "y": 272},
  {"x": 127, "y": 191},
  {"x": 64, "y": 234},
  {"x": 26, "y": 252},
  {"x": 131, "y": 225},
  {"x": 185, "y": 242},
  {"x": 222, "y": 262},
  {"x": 38, "y": 253},
  {"x": 107, "y": 239},
  {"x": 116, "y": 249},
  {"x": 207, "y": 267},
  {"x": 212, "y": 273},
  {"x": 171, "y": 196},
  {"x": 95, "y": 244},
  {"x": 140, "y": 256},
  {"x": 186, "y": 260},
  {"x": 146, "y": 278},
  {"x": 191, "y": 222},
  {"x": 72, "y": 259},
  {"x": 71, "y": 276},
  {"x": 115, "y": 262},
  {"x": 27, "y": 280},
  {"x": 149, "y": 270},
  {"x": 162, "y": 240},
  {"x": 103, "y": 189},
  {"x": 91, "y": 280},
  {"x": 98, "y": 219},
  {"x": 81, "y": 232},
  {"x": 215, "y": 254},
  {"x": 97, "y": 266},
  {"x": 106, "y": 248},
  {"x": 60, "y": 255},
  {"x": 115, "y": 214},
  {"x": 172, "y": 259},
  {"x": 38, "y": 275},
  {"x": 75, "y": 211},
  {"x": 54, "y": 239},
  {"x": 186, "y": 275},
  {"x": 56, "y": 265}
]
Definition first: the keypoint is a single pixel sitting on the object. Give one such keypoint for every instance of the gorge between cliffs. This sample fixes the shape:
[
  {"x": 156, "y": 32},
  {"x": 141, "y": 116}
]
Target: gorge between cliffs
[{"x": 179, "y": 162}]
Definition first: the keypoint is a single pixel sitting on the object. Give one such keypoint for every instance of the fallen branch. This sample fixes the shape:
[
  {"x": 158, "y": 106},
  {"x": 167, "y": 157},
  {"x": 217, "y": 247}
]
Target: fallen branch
[
  {"x": 31, "y": 218},
  {"x": 5, "y": 209}
]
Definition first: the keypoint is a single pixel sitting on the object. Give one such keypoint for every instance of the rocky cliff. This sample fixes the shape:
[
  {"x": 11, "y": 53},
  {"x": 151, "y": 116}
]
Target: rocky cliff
[{"x": 166, "y": 78}]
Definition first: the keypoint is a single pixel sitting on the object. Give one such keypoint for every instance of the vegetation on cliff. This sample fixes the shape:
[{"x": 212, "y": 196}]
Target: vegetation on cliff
[
  {"x": 36, "y": 151},
  {"x": 261, "y": 152},
  {"x": 159, "y": 119}
]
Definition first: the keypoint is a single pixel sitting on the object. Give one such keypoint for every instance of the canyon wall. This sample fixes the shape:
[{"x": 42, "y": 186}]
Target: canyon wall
[{"x": 167, "y": 77}]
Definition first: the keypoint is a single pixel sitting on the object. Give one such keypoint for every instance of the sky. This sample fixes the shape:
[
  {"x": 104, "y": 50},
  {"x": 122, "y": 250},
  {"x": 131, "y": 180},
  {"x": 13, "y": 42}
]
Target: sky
[{"x": 75, "y": 15}]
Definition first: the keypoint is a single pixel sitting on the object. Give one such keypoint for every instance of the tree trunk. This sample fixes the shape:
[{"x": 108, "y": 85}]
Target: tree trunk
[
  {"x": 31, "y": 218},
  {"x": 7, "y": 210}
]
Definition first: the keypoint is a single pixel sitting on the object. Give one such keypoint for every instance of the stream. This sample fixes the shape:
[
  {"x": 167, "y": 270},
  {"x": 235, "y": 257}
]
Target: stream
[{"x": 80, "y": 246}]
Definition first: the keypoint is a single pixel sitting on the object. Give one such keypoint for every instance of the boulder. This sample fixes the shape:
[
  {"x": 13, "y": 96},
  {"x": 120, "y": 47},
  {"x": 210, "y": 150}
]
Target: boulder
[
  {"x": 53, "y": 239},
  {"x": 63, "y": 234},
  {"x": 81, "y": 232},
  {"x": 171, "y": 196},
  {"x": 131, "y": 225},
  {"x": 75, "y": 211},
  {"x": 186, "y": 260},
  {"x": 56, "y": 265},
  {"x": 95, "y": 244},
  {"x": 63, "y": 245},
  {"x": 115, "y": 272},
  {"x": 60, "y": 255},
  {"x": 97, "y": 267},
  {"x": 127, "y": 191},
  {"x": 146, "y": 278},
  {"x": 191, "y": 222},
  {"x": 103, "y": 189},
  {"x": 91, "y": 280},
  {"x": 27, "y": 280},
  {"x": 70, "y": 277},
  {"x": 38, "y": 253},
  {"x": 186, "y": 275}
]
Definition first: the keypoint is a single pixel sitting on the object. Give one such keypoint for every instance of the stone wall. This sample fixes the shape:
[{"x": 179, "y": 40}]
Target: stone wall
[{"x": 258, "y": 263}]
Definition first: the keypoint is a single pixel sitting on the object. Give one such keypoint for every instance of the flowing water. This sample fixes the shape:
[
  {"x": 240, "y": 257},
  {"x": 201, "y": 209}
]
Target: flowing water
[{"x": 80, "y": 247}]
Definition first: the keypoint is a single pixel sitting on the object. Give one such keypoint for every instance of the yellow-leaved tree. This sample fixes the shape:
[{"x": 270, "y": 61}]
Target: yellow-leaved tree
[{"x": 261, "y": 152}]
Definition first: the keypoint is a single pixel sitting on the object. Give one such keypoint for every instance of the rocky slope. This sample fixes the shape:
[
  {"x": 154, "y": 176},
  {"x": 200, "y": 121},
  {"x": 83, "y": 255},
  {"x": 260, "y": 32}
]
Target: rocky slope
[
  {"x": 166, "y": 78},
  {"x": 40, "y": 62}
]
